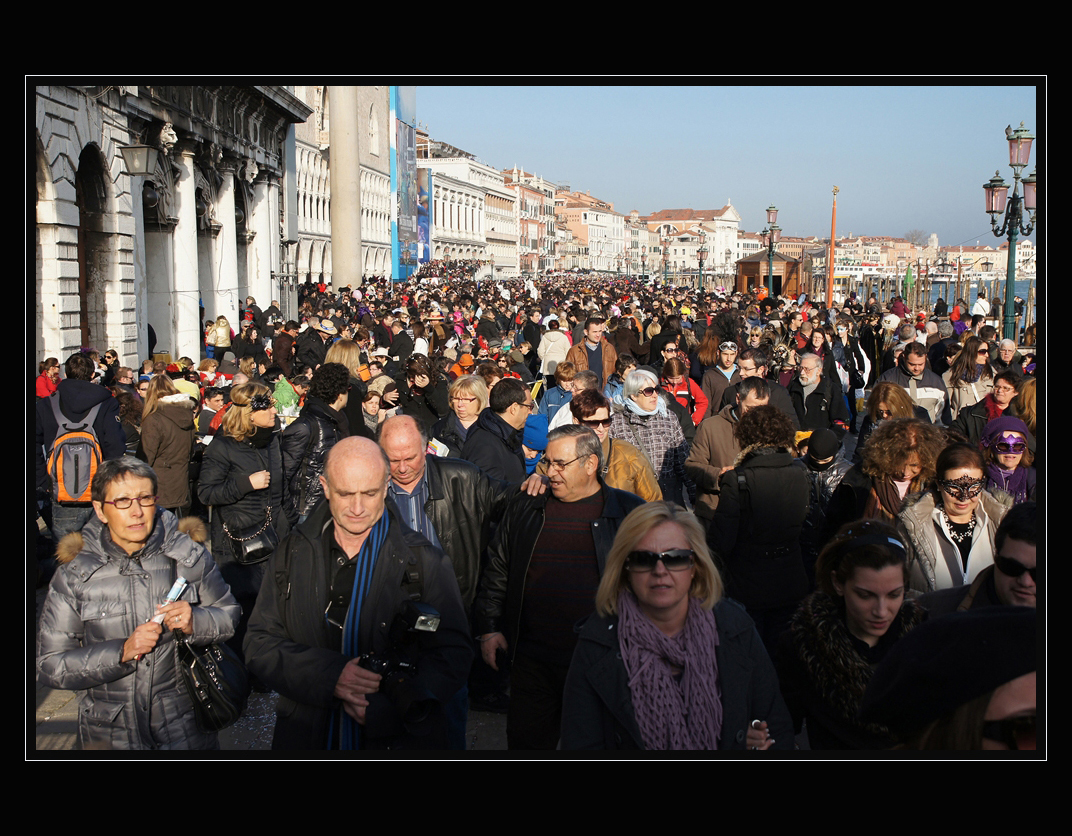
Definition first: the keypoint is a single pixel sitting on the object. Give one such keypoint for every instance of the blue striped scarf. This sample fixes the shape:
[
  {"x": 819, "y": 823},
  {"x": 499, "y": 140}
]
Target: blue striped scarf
[{"x": 350, "y": 738}]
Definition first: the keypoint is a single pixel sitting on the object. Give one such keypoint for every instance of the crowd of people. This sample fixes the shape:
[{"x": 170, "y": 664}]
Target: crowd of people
[{"x": 627, "y": 516}]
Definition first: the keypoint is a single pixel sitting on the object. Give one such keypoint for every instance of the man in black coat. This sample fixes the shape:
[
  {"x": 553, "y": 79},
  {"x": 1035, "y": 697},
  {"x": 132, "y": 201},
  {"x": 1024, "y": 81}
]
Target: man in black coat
[
  {"x": 76, "y": 396},
  {"x": 494, "y": 442},
  {"x": 819, "y": 404},
  {"x": 355, "y": 540}
]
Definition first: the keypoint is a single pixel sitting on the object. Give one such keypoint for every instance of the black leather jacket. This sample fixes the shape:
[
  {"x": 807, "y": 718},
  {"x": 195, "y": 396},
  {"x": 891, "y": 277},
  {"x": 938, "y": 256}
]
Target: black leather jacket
[
  {"x": 462, "y": 505},
  {"x": 498, "y": 604}
]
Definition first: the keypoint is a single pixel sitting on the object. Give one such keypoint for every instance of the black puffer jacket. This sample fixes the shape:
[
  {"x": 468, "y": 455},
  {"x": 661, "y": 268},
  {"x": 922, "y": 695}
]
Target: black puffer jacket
[{"x": 305, "y": 447}]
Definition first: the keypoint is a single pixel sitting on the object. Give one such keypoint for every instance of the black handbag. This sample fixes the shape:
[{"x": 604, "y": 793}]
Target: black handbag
[
  {"x": 216, "y": 680},
  {"x": 254, "y": 545}
]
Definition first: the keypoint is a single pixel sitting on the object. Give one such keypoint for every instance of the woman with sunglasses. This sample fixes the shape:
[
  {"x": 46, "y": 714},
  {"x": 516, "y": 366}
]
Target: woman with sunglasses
[
  {"x": 949, "y": 531},
  {"x": 624, "y": 466},
  {"x": 843, "y": 630},
  {"x": 647, "y": 423},
  {"x": 242, "y": 479},
  {"x": 1008, "y": 459},
  {"x": 666, "y": 663},
  {"x": 970, "y": 377}
]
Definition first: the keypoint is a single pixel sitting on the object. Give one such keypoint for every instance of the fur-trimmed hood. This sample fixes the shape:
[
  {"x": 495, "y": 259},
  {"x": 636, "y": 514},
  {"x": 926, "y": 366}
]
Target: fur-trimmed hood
[
  {"x": 754, "y": 450},
  {"x": 72, "y": 544},
  {"x": 821, "y": 640}
]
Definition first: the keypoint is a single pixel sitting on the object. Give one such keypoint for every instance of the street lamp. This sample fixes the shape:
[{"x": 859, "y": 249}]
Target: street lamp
[
  {"x": 997, "y": 193},
  {"x": 666, "y": 257},
  {"x": 701, "y": 254},
  {"x": 771, "y": 235},
  {"x": 644, "y": 260}
]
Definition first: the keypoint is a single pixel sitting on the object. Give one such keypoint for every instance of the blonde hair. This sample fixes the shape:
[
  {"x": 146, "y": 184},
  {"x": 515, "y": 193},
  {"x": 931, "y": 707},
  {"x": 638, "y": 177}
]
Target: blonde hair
[
  {"x": 706, "y": 582},
  {"x": 160, "y": 386},
  {"x": 348, "y": 353},
  {"x": 247, "y": 366},
  {"x": 236, "y": 421},
  {"x": 1024, "y": 405},
  {"x": 471, "y": 385}
]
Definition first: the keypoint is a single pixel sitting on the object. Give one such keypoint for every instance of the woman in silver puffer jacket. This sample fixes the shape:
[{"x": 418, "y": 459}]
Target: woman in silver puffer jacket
[{"x": 96, "y": 637}]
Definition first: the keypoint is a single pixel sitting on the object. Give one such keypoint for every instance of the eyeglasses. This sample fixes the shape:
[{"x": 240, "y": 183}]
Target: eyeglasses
[
  {"x": 530, "y": 406},
  {"x": 963, "y": 492},
  {"x": 596, "y": 422},
  {"x": 560, "y": 466},
  {"x": 457, "y": 399},
  {"x": 675, "y": 560},
  {"x": 125, "y": 502},
  {"x": 1015, "y": 732},
  {"x": 1010, "y": 446},
  {"x": 1005, "y": 390},
  {"x": 885, "y": 413},
  {"x": 647, "y": 393},
  {"x": 1012, "y": 568}
]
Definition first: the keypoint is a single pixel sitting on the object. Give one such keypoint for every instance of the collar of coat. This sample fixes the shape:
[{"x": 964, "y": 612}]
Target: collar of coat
[
  {"x": 776, "y": 456},
  {"x": 72, "y": 544},
  {"x": 821, "y": 639}
]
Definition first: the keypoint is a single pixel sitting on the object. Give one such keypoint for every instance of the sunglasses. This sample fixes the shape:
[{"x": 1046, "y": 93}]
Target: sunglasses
[
  {"x": 675, "y": 560},
  {"x": 1015, "y": 732},
  {"x": 647, "y": 393},
  {"x": 961, "y": 492},
  {"x": 1013, "y": 568},
  {"x": 596, "y": 422}
]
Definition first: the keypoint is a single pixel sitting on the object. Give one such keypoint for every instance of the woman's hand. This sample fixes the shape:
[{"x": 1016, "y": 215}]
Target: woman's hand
[
  {"x": 260, "y": 480},
  {"x": 141, "y": 641},
  {"x": 178, "y": 616},
  {"x": 758, "y": 737}
]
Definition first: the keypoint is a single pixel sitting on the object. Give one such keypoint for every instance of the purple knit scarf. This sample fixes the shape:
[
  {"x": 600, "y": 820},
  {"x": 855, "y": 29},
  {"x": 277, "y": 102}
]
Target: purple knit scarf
[{"x": 672, "y": 714}]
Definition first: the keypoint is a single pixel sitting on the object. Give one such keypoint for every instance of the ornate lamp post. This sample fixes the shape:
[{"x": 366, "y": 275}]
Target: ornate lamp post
[
  {"x": 644, "y": 260},
  {"x": 666, "y": 258},
  {"x": 771, "y": 234},
  {"x": 701, "y": 254},
  {"x": 997, "y": 194}
]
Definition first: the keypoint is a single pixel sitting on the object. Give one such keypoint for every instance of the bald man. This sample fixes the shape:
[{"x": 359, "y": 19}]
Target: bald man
[{"x": 350, "y": 581}]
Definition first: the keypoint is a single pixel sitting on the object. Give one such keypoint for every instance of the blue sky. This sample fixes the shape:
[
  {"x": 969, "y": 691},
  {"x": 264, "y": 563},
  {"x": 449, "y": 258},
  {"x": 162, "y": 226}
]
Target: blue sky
[{"x": 903, "y": 157}]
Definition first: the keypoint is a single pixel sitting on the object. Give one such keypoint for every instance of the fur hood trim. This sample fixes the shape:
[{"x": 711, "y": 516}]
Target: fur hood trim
[
  {"x": 821, "y": 638},
  {"x": 757, "y": 450},
  {"x": 71, "y": 544}
]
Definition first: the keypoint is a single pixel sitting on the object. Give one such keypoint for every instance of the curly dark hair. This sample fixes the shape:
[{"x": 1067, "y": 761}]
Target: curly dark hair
[
  {"x": 329, "y": 381},
  {"x": 894, "y": 441},
  {"x": 765, "y": 426}
]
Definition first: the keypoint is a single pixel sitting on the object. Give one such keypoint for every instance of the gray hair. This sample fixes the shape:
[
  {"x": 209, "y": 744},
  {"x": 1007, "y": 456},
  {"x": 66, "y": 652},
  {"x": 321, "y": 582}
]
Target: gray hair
[
  {"x": 1007, "y": 343},
  {"x": 636, "y": 380},
  {"x": 112, "y": 470},
  {"x": 587, "y": 442}
]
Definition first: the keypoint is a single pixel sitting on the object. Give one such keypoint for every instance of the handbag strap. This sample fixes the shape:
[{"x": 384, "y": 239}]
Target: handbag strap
[{"x": 267, "y": 522}]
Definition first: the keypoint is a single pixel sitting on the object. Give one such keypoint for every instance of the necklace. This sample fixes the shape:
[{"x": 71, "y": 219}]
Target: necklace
[{"x": 960, "y": 531}]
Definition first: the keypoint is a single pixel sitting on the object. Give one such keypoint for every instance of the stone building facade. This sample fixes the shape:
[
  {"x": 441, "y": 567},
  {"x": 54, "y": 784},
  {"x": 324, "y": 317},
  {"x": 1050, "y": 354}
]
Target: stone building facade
[{"x": 118, "y": 255}]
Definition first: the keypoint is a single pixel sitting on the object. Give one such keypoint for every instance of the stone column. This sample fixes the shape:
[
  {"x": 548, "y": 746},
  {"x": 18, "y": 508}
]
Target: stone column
[
  {"x": 183, "y": 336},
  {"x": 259, "y": 255},
  {"x": 346, "y": 257},
  {"x": 223, "y": 298}
]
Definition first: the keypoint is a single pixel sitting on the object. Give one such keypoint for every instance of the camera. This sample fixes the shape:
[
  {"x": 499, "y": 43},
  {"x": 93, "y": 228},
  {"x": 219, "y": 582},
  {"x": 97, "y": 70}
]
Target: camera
[{"x": 398, "y": 667}]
